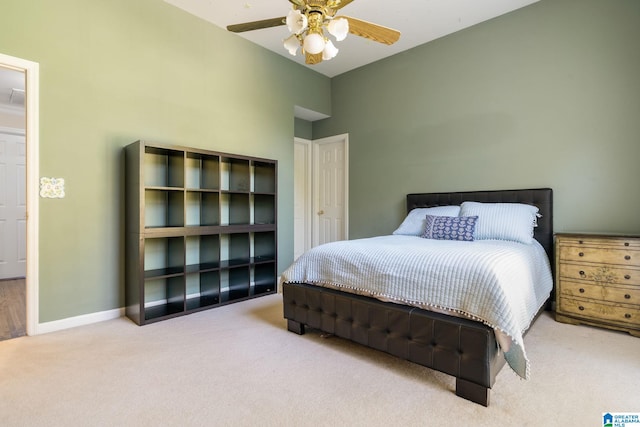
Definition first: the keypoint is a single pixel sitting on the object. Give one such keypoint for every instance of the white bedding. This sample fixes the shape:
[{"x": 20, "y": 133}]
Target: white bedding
[{"x": 503, "y": 284}]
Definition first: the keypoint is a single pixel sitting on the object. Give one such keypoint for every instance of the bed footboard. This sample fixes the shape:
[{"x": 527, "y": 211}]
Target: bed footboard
[{"x": 465, "y": 349}]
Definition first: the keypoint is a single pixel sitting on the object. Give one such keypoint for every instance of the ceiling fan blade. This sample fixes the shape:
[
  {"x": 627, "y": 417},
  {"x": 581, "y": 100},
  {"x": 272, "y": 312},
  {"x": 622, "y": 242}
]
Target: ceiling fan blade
[
  {"x": 256, "y": 25},
  {"x": 371, "y": 31},
  {"x": 299, "y": 3},
  {"x": 313, "y": 59}
]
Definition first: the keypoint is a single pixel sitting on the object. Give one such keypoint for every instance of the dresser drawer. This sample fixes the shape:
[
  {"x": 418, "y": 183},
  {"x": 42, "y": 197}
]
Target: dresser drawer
[
  {"x": 600, "y": 241},
  {"x": 615, "y": 313},
  {"x": 604, "y": 255},
  {"x": 614, "y": 274},
  {"x": 607, "y": 293}
]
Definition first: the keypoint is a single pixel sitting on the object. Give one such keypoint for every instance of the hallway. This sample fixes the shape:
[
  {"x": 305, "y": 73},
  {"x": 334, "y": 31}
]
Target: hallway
[{"x": 13, "y": 311}]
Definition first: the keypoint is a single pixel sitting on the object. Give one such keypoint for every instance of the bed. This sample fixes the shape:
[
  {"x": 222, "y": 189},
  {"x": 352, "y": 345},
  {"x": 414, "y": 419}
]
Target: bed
[{"x": 434, "y": 335}]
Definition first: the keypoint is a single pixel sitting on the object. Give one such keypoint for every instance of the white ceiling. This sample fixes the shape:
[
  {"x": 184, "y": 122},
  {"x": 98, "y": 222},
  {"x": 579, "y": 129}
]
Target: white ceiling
[{"x": 419, "y": 21}]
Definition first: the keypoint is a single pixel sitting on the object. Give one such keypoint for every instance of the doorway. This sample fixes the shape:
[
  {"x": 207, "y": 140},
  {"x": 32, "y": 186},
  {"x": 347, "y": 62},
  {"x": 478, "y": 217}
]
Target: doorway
[
  {"x": 13, "y": 221},
  {"x": 321, "y": 192},
  {"x": 19, "y": 139}
]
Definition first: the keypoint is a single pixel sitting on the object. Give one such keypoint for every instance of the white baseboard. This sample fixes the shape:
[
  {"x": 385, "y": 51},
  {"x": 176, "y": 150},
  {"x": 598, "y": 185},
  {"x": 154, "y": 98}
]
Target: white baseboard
[
  {"x": 87, "y": 319},
  {"x": 72, "y": 322}
]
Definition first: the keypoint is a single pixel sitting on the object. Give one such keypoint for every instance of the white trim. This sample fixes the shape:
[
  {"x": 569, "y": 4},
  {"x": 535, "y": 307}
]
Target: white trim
[
  {"x": 82, "y": 320},
  {"x": 308, "y": 167},
  {"x": 32, "y": 133}
]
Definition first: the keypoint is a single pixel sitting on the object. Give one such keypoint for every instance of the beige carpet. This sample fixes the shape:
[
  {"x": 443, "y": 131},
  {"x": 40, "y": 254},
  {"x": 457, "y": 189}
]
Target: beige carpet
[{"x": 238, "y": 365}]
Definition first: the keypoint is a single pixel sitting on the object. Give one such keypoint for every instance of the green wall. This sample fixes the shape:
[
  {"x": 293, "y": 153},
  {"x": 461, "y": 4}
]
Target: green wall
[
  {"x": 303, "y": 129},
  {"x": 112, "y": 72},
  {"x": 548, "y": 95}
]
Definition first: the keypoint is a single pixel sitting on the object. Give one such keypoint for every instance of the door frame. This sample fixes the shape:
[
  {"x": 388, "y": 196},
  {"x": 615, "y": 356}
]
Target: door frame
[
  {"x": 308, "y": 188},
  {"x": 31, "y": 71}
]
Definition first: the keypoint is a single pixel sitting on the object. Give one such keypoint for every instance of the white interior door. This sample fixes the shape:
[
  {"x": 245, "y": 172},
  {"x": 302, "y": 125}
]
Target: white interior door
[
  {"x": 13, "y": 206},
  {"x": 331, "y": 189},
  {"x": 302, "y": 188}
]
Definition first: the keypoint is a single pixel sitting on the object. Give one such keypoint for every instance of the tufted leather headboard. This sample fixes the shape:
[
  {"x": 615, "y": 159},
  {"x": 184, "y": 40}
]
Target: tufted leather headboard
[{"x": 540, "y": 197}]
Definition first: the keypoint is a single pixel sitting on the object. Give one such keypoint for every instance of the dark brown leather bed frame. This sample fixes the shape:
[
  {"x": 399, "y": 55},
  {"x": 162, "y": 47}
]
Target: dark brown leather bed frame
[{"x": 463, "y": 348}]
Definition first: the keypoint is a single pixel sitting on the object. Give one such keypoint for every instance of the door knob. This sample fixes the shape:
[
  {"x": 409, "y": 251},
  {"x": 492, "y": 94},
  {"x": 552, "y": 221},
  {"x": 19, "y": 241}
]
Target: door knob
[{"x": 320, "y": 212}]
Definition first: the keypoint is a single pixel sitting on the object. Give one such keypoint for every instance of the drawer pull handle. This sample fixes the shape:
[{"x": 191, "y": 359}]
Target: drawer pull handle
[
  {"x": 627, "y": 257},
  {"x": 627, "y": 316},
  {"x": 626, "y": 276},
  {"x": 581, "y": 272},
  {"x": 581, "y": 308},
  {"x": 582, "y": 290},
  {"x": 626, "y": 243},
  {"x": 581, "y": 254},
  {"x": 627, "y": 296},
  {"x": 580, "y": 241}
]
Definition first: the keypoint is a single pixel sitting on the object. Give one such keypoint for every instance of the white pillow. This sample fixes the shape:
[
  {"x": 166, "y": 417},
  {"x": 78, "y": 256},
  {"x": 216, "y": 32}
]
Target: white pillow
[
  {"x": 502, "y": 221},
  {"x": 413, "y": 224}
]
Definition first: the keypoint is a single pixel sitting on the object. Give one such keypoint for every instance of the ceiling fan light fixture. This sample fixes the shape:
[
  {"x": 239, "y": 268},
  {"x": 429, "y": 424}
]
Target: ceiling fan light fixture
[
  {"x": 313, "y": 43},
  {"x": 339, "y": 28},
  {"x": 292, "y": 43},
  {"x": 330, "y": 51},
  {"x": 296, "y": 21},
  {"x": 311, "y": 22}
]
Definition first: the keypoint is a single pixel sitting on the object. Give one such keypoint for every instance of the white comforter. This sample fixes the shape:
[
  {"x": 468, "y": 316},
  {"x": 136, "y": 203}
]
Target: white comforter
[{"x": 500, "y": 283}]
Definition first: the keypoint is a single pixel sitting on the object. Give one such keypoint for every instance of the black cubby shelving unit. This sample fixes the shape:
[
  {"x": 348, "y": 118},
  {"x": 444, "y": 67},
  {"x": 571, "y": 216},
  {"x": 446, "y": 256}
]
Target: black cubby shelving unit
[{"x": 201, "y": 230}]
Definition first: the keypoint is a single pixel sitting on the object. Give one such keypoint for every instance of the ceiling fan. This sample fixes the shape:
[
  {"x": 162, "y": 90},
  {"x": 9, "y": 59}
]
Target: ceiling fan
[{"x": 307, "y": 22}]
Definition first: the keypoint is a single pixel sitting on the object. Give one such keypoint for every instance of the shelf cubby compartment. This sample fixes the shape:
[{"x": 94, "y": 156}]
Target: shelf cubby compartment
[
  {"x": 203, "y": 289},
  {"x": 264, "y": 209},
  {"x": 164, "y": 296},
  {"x": 163, "y": 256},
  {"x": 163, "y": 167},
  {"x": 234, "y": 283},
  {"x": 235, "y": 208},
  {"x": 163, "y": 208},
  {"x": 202, "y": 253},
  {"x": 234, "y": 250},
  {"x": 264, "y": 177},
  {"x": 202, "y": 171},
  {"x": 202, "y": 208},
  {"x": 264, "y": 278},
  {"x": 235, "y": 173},
  {"x": 264, "y": 247}
]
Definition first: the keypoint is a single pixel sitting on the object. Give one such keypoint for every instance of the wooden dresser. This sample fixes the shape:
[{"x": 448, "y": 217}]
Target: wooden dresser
[{"x": 598, "y": 281}]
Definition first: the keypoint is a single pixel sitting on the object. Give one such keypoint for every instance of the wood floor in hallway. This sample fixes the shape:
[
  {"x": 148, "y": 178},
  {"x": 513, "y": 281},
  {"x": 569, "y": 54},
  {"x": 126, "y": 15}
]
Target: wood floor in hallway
[{"x": 13, "y": 308}]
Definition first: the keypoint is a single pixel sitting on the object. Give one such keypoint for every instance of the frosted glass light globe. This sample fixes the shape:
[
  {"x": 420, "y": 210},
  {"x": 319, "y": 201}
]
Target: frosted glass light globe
[
  {"x": 292, "y": 44},
  {"x": 329, "y": 52},
  {"x": 296, "y": 22},
  {"x": 339, "y": 28},
  {"x": 313, "y": 43}
]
